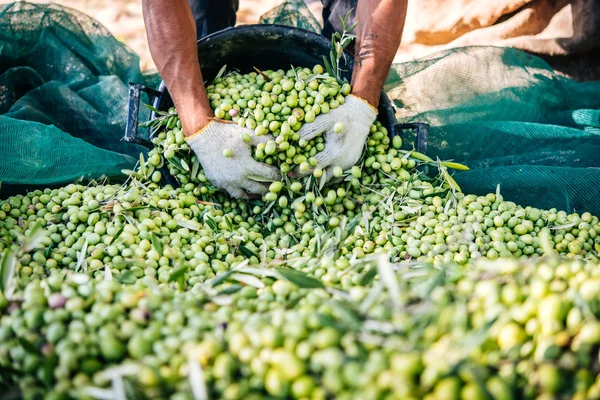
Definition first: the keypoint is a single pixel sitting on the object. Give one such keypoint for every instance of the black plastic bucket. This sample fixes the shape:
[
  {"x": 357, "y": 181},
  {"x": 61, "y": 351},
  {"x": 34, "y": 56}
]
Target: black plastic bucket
[{"x": 264, "y": 47}]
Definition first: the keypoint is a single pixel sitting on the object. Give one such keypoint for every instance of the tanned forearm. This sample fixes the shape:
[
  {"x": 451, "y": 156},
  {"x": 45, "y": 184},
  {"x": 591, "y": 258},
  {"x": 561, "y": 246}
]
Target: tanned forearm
[
  {"x": 379, "y": 31},
  {"x": 172, "y": 38}
]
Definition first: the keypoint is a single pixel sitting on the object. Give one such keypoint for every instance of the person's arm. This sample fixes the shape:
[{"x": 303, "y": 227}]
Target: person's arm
[
  {"x": 172, "y": 39},
  {"x": 379, "y": 31}
]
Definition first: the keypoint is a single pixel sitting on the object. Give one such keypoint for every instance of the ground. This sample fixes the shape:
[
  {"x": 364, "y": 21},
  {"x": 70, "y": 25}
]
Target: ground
[{"x": 124, "y": 19}]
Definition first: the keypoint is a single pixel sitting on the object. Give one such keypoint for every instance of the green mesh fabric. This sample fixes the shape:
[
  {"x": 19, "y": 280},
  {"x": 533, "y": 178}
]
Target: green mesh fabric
[
  {"x": 511, "y": 119},
  {"x": 292, "y": 13},
  {"x": 63, "y": 96}
]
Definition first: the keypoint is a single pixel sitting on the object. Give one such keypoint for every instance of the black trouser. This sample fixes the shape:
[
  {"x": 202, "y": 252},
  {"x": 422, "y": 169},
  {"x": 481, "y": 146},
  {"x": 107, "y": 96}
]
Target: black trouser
[{"x": 214, "y": 15}]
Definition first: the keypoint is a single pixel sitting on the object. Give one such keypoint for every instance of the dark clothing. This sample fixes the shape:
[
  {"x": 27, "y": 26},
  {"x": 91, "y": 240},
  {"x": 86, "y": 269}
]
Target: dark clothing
[{"x": 214, "y": 15}]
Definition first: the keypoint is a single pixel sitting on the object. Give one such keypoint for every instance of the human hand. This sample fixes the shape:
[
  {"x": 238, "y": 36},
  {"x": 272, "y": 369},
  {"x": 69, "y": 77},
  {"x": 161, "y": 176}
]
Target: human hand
[
  {"x": 346, "y": 129},
  {"x": 227, "y": 159}
]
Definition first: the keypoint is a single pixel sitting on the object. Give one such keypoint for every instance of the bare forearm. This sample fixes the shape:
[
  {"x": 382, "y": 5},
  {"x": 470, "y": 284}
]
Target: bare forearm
[
  {"x": 172, "y": 39},
  {"x": 379, "y": 32}
]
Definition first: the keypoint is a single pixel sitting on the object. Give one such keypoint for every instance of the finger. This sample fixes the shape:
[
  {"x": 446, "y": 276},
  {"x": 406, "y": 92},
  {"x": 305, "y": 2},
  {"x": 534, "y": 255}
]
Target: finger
[
  {"x": 330, "y": 177},
  {"x": 313, "y": 129},
  {"x": 264, "y": 170},
  {"x": 325, "y": 158},
  {"x": 261, "y": 139},
  {"x": 236, "y": 193},
  {"x": 255, "y": 187}
]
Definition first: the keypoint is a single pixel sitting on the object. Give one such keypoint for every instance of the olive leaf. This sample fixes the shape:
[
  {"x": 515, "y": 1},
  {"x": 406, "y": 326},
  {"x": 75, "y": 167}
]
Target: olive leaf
[
  {"x": 196, "y": 379},
  {"x": 34, "y": 239},
  {"x": 323, "y": 180},
  {"x": 211, "y": 223},
  {"x": 229, "y": 224},
  {"x": 142, "y": 165},
  {"x": 457, "y": 166},
  {"x": 388, "y": 277},
  {"x": 246, "y": 252},
  {"x": 118, "y": 234},
  {"x": 186, "y": 224},
  {"x": 156, "y": 243},
  {"x": 368, "y": 277},
  {"x": 107, "y": 273},
  {"x": 7, "y": 272},
  {"x": 299, "y": 278},
  {"x": 178, "y": 273},
  {"x": 420, "y": 156},
  {"x": 249, "y": 280},
  {"x": 262, "y": 179},
  {"x": 345, "y": 312},
  {"x": 221, "y": 72},
  {"x": 82, "y": 257}
]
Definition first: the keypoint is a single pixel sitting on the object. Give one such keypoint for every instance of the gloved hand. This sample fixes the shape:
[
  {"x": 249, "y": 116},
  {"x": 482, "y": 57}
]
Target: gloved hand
[
  {"x": 231, "y": 173},
  {"x": 343, "y": 148}
]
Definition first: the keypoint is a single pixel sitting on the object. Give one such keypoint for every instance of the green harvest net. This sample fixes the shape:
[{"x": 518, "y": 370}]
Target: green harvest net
[
  {"x": 503, "y": 112},
  {"x": 63, "y": 96}
]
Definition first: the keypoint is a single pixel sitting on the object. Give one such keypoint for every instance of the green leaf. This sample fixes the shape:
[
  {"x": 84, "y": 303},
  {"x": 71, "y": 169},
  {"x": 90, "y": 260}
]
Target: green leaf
[
  {"x": 195, "y": 167},
  {"x": 34, "y": 239},
  {"x": 299, "y": 278},
  {"x": 28, "y": 346},
  {"x": 48, "y": 251},
  {"x": 126, "y": 277},
  {"x": 185, "y": 165},
  {"x": 156, "y": 243},
  {"x": 421, "y": 157},
  {"x": 81, "y": 257},
  {"x": 211, "y": 223},
  {"x": 259, "y": 178},
  {"x": 221, "y": 72},
  {"x": 119, "y": 232},
  {"x": 142, "y": 165},
  {"x": 229, "y": 224},
  {"x": 323, "y": 180},
  {"x": 186, "y": 224},
  {"x": 350, "y": 317},
  {"x": 178, "y": 273},
  {"x": 196, "y": 379},
  {"x": 249, "y": 280},
  {"x": 7, "y": 271},
  {"x": 368, "y": 277},
  {"x": 455, "y": 166},
  {"x": 50, "y": 364},
  {"x": 246, "y": 252},
  {"x": 221, "y": 277}
]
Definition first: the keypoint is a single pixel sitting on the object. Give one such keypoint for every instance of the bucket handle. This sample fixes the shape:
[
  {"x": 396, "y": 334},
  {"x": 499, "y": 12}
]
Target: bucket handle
[
  {"x": 422, "y": 134},
  {"x": 133, "y": 113}
]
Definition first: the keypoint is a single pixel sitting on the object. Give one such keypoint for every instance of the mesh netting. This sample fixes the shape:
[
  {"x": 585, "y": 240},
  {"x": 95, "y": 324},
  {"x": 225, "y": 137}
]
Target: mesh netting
[
  {"x": 510, "y": 118},
  {"x": 292, "y": 13},
  {"x": 501, "y": 111},
  {"x": 63, "y": 96}
]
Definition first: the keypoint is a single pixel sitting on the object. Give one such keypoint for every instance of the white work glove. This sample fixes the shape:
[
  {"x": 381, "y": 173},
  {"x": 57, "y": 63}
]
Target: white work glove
[
  {"x": 231, "y": 173},
  {"x": 342, "y": 149}
]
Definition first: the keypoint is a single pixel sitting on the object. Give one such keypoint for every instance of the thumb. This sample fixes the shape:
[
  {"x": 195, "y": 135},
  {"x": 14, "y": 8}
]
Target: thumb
[{"x": 313, "y": 129}]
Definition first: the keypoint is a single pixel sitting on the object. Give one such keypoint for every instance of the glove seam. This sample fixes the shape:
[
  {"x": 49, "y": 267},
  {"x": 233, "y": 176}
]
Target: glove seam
[
  {"x": 200, "y": 131},
  {"x": 367, "y": 103}
]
